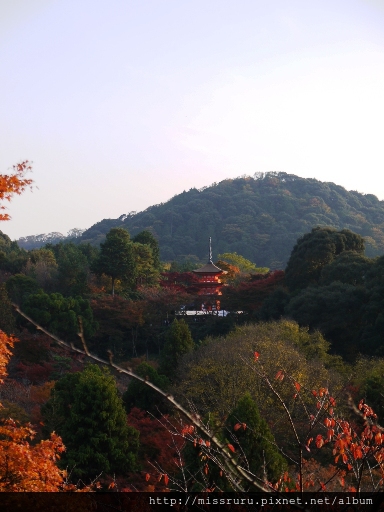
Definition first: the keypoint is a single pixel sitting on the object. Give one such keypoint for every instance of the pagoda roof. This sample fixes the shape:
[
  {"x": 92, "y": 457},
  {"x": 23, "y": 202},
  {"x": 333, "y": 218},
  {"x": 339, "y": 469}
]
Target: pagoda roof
[{"x": 209, "y": 268}]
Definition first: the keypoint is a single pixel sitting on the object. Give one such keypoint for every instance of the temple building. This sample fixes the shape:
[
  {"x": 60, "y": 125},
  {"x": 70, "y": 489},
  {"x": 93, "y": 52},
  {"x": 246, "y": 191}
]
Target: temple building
[{"x": 209, "y": 283}]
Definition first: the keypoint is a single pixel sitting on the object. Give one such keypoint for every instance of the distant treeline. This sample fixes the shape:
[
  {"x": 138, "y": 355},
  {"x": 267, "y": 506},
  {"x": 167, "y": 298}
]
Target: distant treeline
[{"x": 260, "y": 217}]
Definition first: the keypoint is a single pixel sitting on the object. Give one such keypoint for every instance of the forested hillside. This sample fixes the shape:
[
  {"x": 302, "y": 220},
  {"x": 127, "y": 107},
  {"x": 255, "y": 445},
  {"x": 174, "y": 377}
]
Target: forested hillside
[
  {"x": 260, "y": 390},
  {"x": 260, "y": 218}
]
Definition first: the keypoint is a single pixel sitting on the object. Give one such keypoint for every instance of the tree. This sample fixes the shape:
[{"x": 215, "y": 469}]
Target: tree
[
  {"x": 7, "y": 321},
  {"x": 336, "y": 310},
  {"x": 20, "y": 286},
  {"x": 141, "y": 396},
  {"x": 24, "y": 466},
  {"x": 257, "y": 447},
  {"x": 87, "y": 412},
  {"x": 15, "y": 183},
  {"x": 242, "y": 263},
  {"x": 349, "y": 267},
  {"x": 12, "y": 258},
  {"x": 116, "y": 258},
  {"x": 72, "y": 269},
  {"x": 310, "y": 415},
  {"x": 178, "y": 342},
  {"x": 146, "y": 238},
  {"x": 215, "y": 377},
  {"x": 60, "y": 314},
  {"x": 314, "y": 250},
  {"x": 249, "y": 296},
  {"x": 42, "y": 267},
  {"x": 146, "y": 271}
]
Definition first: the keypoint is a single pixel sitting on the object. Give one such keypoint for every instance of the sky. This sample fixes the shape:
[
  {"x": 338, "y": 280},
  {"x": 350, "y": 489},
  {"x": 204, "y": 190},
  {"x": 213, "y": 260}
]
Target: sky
[{"x": 122, "y": 104}]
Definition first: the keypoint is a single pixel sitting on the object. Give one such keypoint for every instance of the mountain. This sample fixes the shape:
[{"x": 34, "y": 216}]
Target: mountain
[
  {"x": 259, "y": 217},
  {"x": 36, "y": 241}
]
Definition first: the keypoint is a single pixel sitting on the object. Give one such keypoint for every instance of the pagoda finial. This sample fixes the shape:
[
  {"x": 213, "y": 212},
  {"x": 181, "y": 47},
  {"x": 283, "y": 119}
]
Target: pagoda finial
[{"x": 210, "y": 250}]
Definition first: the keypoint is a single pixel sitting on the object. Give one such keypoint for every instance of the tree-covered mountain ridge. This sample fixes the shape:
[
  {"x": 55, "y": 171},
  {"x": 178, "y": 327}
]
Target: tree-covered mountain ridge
[{"x": 260, "y": 217}]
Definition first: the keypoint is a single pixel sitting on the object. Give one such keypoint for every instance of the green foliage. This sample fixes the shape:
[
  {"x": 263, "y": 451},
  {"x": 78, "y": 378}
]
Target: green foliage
[
  {"x": 141, "y": 396},
  {"x": 12, "y": 258},
  {"x": 60, "y": 314},
  {"x": 42, "y": 267},
  {"x": 146, "y": 270},
  {"x": 87, "y": 413},
  {"x": 333, "y": 288},
  {"x": 147, "y": 238},
  {"x": 260, "y": 218},
  {"x": 116, "y": 258},
  {"x": 61, "y": 366},
  {"x": 349, "y": 268},
  {"x": 336, "y": 310},
  {"x": 14, "y": 411},
  {"x": 7, "y": 321},
  {"x": 203, "y": 472},
  {"x": 258, "y": 448},
  {"x": 20, "y": 286},
  {"x": 216, "y": 376},
  {"x": 73, "y": 269},
  {"x": 314, "y": 251},
  {"x": 242, "y": 263},
  {"x": 178, "y": 342}
]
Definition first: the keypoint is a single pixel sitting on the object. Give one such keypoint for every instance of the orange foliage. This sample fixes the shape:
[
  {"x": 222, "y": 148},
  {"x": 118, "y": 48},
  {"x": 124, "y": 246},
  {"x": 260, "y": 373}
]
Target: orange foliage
[
  {"x": 26, "y": 468},
  {"x": 23, "y": 467},
  {"x": 14, "y": 183},
  {"x": 6, "y": 342}
]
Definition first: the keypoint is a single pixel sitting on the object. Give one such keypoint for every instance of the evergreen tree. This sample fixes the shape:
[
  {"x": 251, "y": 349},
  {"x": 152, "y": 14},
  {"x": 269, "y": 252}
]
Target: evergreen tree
[
  {"x": 60, "y": 314},
  {"x": 7, "y": 321},
  {"x": 146, "y": 238},
  {"x": 116, "y": 258},
  {"x": 178, "y": 342},
  {"x": 86, "y": 411},
  {"x": 141, "y": 396},
  {"x": 256, "y": 440},
  {"x": 314, "y": 251}
]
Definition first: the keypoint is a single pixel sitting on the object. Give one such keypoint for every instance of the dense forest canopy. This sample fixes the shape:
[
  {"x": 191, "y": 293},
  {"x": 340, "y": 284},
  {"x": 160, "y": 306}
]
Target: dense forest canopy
[
  {"x": 249, "y": 378},
  {"x": 260, "y": 217}
]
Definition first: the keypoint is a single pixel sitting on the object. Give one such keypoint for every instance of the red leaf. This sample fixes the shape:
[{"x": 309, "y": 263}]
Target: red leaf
[
  {"x": 147, "y": 477},
  {"x": 297, "y": 386},
  {"x": 256, "y": 354},
  {"x": 166, "y": 479},
  {"x": 237, "y": 426},
  {"x": 231, "y": 447}
]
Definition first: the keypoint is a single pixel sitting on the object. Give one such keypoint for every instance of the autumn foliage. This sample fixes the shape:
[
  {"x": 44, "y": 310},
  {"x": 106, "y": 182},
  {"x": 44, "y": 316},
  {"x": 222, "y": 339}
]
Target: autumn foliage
[
  {"x": 14, "y": 183},
  {"x": 24, "y": 466}
]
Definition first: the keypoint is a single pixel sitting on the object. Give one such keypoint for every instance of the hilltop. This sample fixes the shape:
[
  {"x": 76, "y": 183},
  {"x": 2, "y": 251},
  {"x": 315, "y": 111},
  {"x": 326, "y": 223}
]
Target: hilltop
[{"x": 260, "y": 217}]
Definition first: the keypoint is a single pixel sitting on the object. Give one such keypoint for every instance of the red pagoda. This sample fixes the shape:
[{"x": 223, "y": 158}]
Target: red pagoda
[{"x": 209, "y": 283}]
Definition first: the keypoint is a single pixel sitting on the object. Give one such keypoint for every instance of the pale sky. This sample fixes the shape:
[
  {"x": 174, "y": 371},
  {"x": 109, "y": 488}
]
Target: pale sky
[{"x": 122, "y": 104}]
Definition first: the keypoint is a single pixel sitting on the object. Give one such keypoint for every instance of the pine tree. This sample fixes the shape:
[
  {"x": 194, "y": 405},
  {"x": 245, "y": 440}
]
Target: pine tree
[
  {"x": 143, "y": 397},
  {"x": 178, "y": 342},
  {"x": 250, "y": 431},
  {"x": 87, "y": 412}
]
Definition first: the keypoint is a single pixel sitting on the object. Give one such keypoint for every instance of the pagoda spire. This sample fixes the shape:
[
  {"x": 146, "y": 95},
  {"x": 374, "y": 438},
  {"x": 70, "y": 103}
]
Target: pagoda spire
[{"x": 210, "y": 250}]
